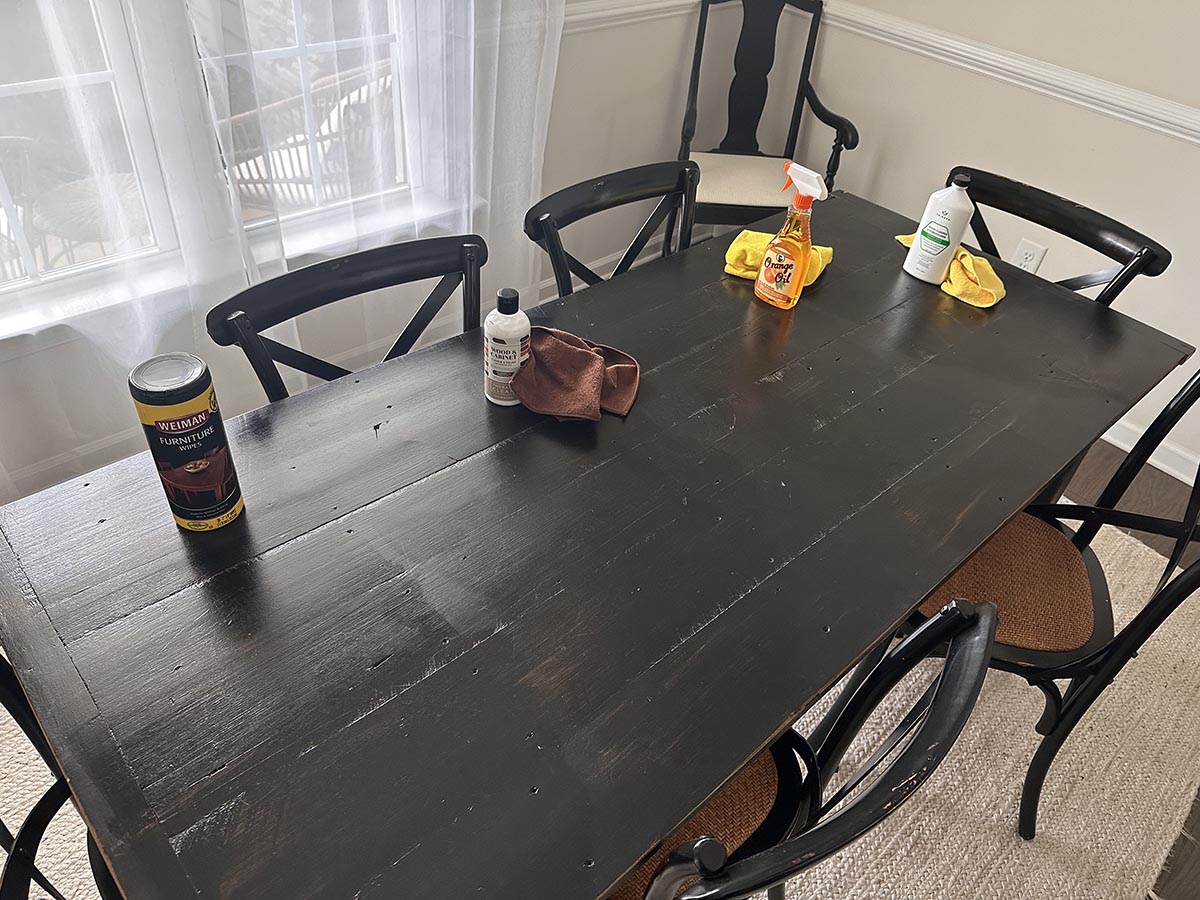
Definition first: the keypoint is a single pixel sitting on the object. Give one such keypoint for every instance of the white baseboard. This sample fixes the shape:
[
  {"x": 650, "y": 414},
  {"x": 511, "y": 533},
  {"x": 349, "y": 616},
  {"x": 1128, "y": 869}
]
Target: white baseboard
[
  {"x": 63, "y": 463},
  {"x": 548, "y": 290},
  {"x": 1170, "y": 457}
]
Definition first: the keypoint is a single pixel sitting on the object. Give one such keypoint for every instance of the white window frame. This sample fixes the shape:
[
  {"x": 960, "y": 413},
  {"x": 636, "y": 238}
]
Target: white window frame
[
  {"x": 310, "y": 221},
  {"x": 120, "y": 71}
]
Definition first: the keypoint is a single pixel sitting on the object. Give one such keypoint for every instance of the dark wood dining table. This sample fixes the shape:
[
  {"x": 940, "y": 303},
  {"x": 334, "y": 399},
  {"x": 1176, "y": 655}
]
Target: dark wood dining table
[{"x": 457, "y": 650}]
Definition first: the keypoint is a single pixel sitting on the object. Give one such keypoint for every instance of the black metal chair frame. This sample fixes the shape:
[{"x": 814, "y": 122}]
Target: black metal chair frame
[
  {"x": 822, "y": 825},
  {"x": 20, "y": 871},
  {"x": 673, "y": 183},
  {"x": 753, "y": 60},
  {"x": 1093, "y": 667},
  {"x": 240, "y": 319},
  {"x": 1135, "y": 253}
]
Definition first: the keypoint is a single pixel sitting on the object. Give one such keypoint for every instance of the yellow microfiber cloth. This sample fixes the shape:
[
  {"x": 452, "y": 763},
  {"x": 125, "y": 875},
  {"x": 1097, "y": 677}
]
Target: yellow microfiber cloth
[
  {"x": 971, "y": 278},
  {"x": 745, "y": 256}
]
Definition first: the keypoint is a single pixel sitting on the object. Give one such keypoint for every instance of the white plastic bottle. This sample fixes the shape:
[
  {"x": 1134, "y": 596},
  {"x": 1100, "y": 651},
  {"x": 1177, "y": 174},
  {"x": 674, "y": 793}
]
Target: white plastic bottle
[
  {"x": 943, "y": 225},
  {"x": 505, "y": 347}
]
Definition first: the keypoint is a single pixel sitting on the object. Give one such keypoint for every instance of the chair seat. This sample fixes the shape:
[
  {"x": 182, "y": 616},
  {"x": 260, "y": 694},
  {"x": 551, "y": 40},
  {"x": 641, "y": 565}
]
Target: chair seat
[
  {"x": 731, "y": 816},
  {"x": 733, "y": 180},
  {"x": 1039, "y": 582}
]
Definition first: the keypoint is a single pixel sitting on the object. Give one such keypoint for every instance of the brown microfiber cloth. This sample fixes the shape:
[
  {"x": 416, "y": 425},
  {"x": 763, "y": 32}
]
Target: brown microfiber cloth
[{"x": 572, "y": 378}]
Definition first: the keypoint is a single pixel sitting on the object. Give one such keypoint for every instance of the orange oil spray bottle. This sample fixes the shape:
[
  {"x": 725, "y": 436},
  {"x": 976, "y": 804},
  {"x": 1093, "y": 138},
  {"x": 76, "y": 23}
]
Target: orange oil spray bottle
[{"x": 785, "y": 264}]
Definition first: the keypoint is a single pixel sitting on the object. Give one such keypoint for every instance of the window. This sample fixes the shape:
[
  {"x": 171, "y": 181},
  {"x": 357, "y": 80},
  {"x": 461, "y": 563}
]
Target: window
[
  {"x": 313, "y": 104},
  {"x": 310, "y": 128},
  {"x": 74, "y": 190}
]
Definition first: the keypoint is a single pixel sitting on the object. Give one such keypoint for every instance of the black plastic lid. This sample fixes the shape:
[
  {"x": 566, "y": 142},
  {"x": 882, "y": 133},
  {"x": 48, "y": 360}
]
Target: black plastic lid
[
  {"x": 508, "y": 301},
  {"x": 962, "y": 180},
  {"x": 169, "y": 378}
]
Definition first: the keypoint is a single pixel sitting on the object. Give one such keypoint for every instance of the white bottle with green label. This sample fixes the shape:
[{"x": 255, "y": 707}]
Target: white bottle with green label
[{"x": 942, "y": 228}]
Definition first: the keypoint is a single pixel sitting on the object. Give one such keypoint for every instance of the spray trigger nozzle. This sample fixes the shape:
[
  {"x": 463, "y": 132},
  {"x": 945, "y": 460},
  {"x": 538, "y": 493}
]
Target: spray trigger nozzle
[{"x": 805, "y": 181}]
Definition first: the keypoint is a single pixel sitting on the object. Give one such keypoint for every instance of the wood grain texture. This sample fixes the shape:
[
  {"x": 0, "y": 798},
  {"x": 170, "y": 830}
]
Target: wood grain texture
[{"x": 456, "y": 650}]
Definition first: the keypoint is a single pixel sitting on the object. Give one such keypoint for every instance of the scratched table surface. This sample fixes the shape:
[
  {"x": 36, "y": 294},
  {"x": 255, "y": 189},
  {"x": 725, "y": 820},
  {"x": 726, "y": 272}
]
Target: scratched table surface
[{"x": 456, "y": 650}]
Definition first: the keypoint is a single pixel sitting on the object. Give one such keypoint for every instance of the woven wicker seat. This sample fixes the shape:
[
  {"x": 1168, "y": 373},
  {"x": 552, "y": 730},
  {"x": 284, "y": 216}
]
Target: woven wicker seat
[
  {"x": 1038, "y": 581},
  {"x": 731, "y": 816}
]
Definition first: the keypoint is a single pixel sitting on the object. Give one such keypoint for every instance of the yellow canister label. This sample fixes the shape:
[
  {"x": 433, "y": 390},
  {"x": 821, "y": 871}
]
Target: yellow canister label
[{"x": 188, "y": 443}]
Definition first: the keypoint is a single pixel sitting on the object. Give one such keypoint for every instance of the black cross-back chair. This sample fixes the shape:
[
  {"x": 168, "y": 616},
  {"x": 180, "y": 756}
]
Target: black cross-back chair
[
  {"x": 20, "y": 871},
  {"x": 806, "y": 822},
  {"x": 674, "y": 183},
  {"x": 1055, "y": 614},
  {"x": 1133, "y": 252},
  {"x": 738, "y": 155},
  {"x": 240, "y": 319}
]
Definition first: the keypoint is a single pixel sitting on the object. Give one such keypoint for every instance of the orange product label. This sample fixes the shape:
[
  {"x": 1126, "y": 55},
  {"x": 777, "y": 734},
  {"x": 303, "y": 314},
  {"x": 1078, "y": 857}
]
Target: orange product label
[{"x": 777, "y": 275}]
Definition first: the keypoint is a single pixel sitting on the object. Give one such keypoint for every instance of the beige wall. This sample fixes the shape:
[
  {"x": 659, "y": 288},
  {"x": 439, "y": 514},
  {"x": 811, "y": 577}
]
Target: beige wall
[
  {"x": 1151, "y": 47},
  {"x": 918, "y": 118}
]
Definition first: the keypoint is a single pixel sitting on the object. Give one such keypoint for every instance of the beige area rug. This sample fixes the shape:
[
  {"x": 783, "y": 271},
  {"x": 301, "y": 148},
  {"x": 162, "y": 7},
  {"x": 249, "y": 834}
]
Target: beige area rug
[{"x": 1113, "y": 805}]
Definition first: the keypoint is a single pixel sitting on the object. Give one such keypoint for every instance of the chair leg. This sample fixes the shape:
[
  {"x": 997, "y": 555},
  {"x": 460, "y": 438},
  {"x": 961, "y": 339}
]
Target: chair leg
[
  {"x": 1080, "y": 700},
  {"x": 776, "y": 893}
]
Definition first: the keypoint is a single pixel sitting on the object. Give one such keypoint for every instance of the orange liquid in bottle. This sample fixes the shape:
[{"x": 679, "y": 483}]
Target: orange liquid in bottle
[{"x": 785, "y": 264}]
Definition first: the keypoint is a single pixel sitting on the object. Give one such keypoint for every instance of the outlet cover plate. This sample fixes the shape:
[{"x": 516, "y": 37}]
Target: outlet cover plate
[{"x": 1029, "y": 255}]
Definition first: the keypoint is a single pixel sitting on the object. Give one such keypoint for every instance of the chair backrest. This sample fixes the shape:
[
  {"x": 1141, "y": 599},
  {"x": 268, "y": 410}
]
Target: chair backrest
[
  {"x": 752, "y": 63},
  {"x": 674, "y": 183},
  {"x": 240, "y": 319},
  {"x": 915, "y": 749},
  {"x": 1134, "y": 252},
  {"x": 20, "y": 871}
]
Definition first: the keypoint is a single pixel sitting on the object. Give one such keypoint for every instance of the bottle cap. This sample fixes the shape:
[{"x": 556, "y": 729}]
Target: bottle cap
[
  {"x": 508, "y": 301},
  {"x": 808, "y": 184},
  {"x": 962, "y": 180},
  {"x": 169, "y": 378}
]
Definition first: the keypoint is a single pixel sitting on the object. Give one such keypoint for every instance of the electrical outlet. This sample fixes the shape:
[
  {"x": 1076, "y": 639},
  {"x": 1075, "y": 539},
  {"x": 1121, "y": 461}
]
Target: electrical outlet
[{"x": 1029, "y": 255}]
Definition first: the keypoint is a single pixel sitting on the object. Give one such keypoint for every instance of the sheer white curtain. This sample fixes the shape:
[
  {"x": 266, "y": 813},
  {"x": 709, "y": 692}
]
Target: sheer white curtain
[{"x": 157, "y": 157}]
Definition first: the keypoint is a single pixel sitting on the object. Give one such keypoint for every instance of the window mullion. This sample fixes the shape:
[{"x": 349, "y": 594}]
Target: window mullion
[
  {"x": 57, "y": 83},
  {"x": 134, "y": 114},
  {"x": 310, "y": 125}
]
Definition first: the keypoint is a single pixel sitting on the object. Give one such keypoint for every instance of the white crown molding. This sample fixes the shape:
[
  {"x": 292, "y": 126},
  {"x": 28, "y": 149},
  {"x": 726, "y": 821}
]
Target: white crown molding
[
  {"x": 1178, "y": 120},
  {"x": 590, "y": 15},
  {"x": 1137, "y": 107}
]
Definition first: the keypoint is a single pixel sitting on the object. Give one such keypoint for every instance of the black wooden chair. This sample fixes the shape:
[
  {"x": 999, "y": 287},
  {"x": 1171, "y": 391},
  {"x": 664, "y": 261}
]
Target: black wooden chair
[
  {"x": 20, "y": 871},
  {"x": 740, "y": 183},
  {"x": 1133, "y": 252},
  {"x": 775, "y": 818},
  {"x": 240, "y": 319},
  {"x": 1056, "y": 619},
  {"x": 673, "y": 183}
]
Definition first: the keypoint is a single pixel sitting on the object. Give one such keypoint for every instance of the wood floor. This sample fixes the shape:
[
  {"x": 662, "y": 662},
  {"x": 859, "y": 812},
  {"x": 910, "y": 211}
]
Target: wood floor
[{"x": 1153, "y": 493}]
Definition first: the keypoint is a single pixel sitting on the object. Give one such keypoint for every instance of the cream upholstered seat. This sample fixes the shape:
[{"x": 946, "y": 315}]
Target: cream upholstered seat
[{"x": 735, "y": 180}]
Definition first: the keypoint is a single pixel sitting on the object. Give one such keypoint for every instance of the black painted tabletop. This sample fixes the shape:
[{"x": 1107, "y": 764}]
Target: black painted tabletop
[{"x": 456, "y": 650}]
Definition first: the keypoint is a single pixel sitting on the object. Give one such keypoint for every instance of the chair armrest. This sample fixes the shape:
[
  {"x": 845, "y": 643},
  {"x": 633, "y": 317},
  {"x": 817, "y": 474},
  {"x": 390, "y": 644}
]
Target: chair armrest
[{"x": 847, "y": 133}]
